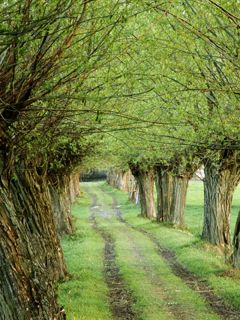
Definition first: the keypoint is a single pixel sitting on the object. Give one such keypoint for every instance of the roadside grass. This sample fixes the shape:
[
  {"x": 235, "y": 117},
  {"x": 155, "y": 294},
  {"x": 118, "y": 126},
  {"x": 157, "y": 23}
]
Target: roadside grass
[
  {"x": 199, "y": 257},
  {"x": 84, "y": 295},
  {"x": 159, "y": 293}
]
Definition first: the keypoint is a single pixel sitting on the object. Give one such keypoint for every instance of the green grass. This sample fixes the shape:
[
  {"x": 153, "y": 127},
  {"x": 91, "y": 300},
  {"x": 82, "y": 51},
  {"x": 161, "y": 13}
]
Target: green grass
[{"x": 84, "y": 296}]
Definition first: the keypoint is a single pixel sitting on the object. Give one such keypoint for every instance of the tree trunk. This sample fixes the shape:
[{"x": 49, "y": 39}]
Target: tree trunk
[
  {"x": 76, "y": 183},
  {"x": 133, "y": 195},
  {"x": 172, "y": 184},
  {"x": 145, "y": 181},
  {"x": 164, "y": 187},
  {"x": 236, "y": 243},
  {"x": 179, "y": 195},
  {"x": 74, "y": 186},
  {"x": 61, "y": 201},
  {"x": 219, "y": 184},
  {"x": 110, "y": 177},
  {"x": 31, "y": 260},
  {"x": 119, "y": 179},
  {"x": 133, "y": 189},
  {"x": 114, "y": 178}
]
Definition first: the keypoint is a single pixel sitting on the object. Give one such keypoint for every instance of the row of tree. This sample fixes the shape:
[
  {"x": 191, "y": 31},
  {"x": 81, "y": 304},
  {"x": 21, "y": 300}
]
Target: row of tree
[
  {"x": 89, "y": 83},
  {"x": 171, "y": 183},
  {"x": 190, "y": 59}
]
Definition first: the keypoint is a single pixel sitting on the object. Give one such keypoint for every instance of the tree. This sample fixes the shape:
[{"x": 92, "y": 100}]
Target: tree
[
  {"x": 222, "y": 176},
  {"x": 48, "y": 52},
  {"x": 164, "y": 188},
  {"x": 144, "y": 175},
  {"x": 236, "y": 244}
]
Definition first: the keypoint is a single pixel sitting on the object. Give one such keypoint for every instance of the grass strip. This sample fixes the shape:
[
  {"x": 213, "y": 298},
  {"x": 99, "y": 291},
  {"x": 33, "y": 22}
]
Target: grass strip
[{"x": 85, "y": 295}]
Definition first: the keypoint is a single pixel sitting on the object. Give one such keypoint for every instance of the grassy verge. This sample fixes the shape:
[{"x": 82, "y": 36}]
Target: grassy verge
[
  {"x": 197, "y": 256},
  {"x": 84, "y": 296}
]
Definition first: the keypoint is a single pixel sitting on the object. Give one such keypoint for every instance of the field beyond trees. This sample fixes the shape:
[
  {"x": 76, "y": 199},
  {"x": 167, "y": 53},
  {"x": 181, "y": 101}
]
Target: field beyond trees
[{"x": 161, "y": 272}]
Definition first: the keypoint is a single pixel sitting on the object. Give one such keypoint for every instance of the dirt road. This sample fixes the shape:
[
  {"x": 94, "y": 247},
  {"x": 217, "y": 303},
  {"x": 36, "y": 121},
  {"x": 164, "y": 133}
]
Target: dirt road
[{"x": 144, "y": 279}]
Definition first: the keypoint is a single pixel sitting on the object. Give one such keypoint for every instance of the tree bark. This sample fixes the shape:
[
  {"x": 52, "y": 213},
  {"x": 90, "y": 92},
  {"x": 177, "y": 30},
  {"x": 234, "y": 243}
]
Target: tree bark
[
  {"x": 119, "y": 183},
  {"x": 133, "y": 193},
  {"x": 121, "y": 179},
  {"x": 179, "y": 195},
  {"x": 145, "y": 181},
  {"x": 172, "y": 183},
  {"x": 62, "y": 198},
  {"x": 114, "y": 178},
  {"x": 134, "y": 196},
  {"x": 133, "y": 189},
  {"x": 74, "y": 187},
  {"x": 236, "y": 243},
  {"x": 31, "y": 260},
  {"x": 220, "y": 181},
  {"x": 164, "y": 187}
]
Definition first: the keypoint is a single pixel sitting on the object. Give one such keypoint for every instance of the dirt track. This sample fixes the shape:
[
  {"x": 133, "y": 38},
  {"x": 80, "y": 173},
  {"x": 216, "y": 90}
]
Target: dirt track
[
  {"x": 200, "y": 286},
  {"x": 120, "y": 296}
]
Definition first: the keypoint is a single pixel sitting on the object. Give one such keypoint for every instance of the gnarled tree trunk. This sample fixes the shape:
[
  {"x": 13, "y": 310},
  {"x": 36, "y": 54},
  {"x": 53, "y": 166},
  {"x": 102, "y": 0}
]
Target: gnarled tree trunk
[
  {"x": 74, "y": 186},
  {"x": 133, "y": 189},
  {"x": 164, "y": 187},
  {"x": 64, "y": 188},
  {"x": 145, "y": 181},
  {"x": 172, "y": 183},
  {"x": 120, "y": 179},
  {"x": 179, "y": 195},
  {"x": 220, "y": 181},
  {"x": 115, "y": 178},
  {"x": 236, "y": 243},
  {"x": 133, "y": 193},
  {"x": 31, "y": 260},
  {"x": 61, "y": 201}
]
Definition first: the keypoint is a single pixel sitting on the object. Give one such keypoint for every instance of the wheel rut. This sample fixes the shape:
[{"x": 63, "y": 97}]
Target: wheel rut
[
  {"x": 175, "y": 309},
  {"x": 120, "y": 297},
  {"x": 200, "y": 286}
]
